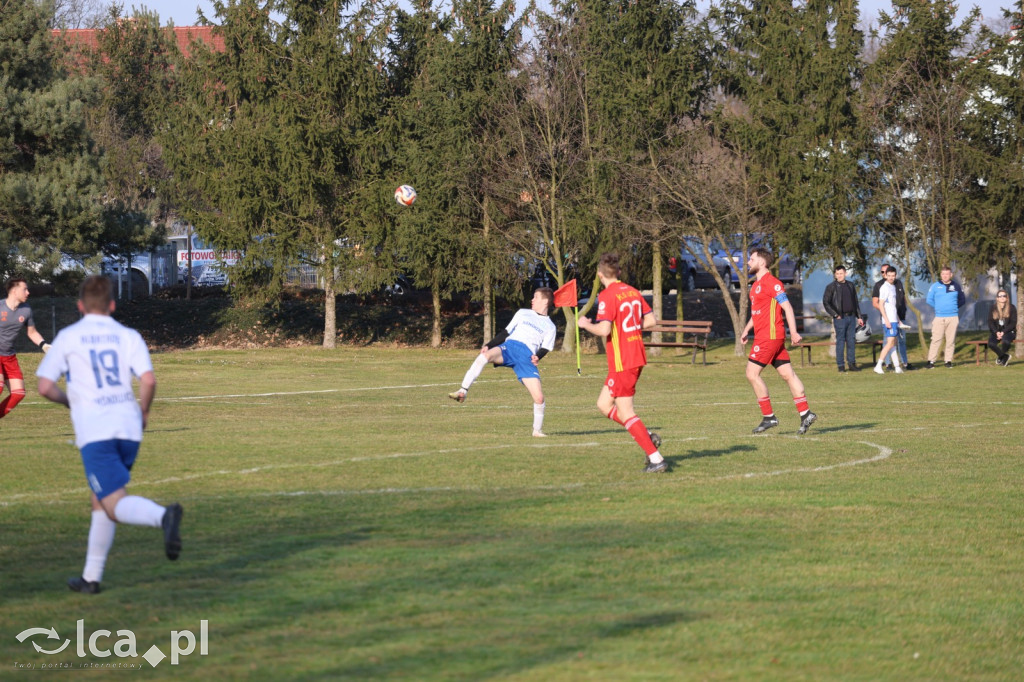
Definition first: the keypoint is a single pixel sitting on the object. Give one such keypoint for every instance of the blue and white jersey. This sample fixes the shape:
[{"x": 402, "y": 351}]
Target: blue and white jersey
[
  {"x": 99, "y": 356},
  {"x": 533, "y": 330}
]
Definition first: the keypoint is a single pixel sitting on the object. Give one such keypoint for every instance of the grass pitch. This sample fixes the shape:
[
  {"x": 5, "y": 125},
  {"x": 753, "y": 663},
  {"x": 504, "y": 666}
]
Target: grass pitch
[{"x": 345, "y": 520}]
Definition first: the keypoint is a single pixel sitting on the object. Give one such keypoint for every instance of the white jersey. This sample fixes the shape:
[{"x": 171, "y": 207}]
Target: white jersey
[
  {"x": 533, "y": 330},
  {"x": 99, "y": 356},
  {"x": 887, "y": 297}
]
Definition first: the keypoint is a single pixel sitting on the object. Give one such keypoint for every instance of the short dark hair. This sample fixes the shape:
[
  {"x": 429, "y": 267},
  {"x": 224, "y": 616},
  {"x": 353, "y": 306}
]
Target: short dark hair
[
  {"x": 13, "y": 282},
  {"x": 885, "y": 266},
  {"x": 892, "y": 270},
  {"x": 764, "y": 253},
  {"x": 839, "y": 267},
  {"x": 96, "y": 293},
  {"x": 548, "y": 294},
  {"x": 609, "y": 265}
]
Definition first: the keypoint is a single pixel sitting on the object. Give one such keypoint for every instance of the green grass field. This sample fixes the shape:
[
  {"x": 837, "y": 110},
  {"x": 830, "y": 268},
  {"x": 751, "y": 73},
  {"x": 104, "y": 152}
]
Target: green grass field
[{"x": 344, "y": 520}]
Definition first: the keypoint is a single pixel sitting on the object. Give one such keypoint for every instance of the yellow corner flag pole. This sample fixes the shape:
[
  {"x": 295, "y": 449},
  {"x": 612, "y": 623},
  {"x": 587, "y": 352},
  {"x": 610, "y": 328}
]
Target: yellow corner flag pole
[{"x": 576, "y": 317}]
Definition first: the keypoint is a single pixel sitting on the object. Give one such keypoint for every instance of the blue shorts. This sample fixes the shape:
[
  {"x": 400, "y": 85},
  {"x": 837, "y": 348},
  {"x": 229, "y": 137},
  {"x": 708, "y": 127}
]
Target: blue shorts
[
  {"x": 517, "y": 357},
  {"x": 892, "y": 331},
  {"x": 108, "y": 463}
]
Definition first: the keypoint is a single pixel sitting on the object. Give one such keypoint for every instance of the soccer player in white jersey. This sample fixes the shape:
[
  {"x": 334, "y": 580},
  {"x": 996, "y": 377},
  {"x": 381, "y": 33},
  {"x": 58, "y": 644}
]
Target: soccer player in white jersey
[
  {"x": 520, "y": 346},
  {"x": 98, "y": 356}
]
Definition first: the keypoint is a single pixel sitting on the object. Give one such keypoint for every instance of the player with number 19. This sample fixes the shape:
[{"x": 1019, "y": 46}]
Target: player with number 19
[
  {"x": 98, "y": 357},
  {"x": 622, "y": 316}
]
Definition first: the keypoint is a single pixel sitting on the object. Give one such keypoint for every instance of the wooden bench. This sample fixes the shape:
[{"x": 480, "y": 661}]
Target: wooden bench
[
  {"x": 699, "y": 332},
  {"x": 808, "y": 345},
  {"x": 980, "y": 348}
]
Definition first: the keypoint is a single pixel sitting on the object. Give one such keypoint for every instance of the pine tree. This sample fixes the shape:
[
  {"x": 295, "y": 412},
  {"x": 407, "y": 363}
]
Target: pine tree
[
  {"x": 50, "y": 179},
  {"x": 273, "y": 140}
]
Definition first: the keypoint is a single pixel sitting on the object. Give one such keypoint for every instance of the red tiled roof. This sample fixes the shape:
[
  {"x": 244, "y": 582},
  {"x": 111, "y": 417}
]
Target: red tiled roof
[{"x": 183, "y": 35}]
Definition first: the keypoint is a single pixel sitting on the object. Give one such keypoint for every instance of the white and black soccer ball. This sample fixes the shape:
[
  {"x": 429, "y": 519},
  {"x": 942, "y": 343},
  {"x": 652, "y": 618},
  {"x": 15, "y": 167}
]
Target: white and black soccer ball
[{"x": 863, "y": 333}]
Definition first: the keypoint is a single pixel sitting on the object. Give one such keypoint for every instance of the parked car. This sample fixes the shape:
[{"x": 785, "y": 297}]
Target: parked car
[
  {"x": 789, "y": 271},
  {"x": 695, "y": 273}
]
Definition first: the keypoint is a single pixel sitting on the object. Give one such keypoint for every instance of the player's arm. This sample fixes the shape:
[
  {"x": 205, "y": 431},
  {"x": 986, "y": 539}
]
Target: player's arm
[
  {"x": 49, "y": 389},
  {"x": 496, "y": 341},
  {"x": 649, "y": 320},
  {"x": 787, "y": 308},
  {"x": 602, "y": 328},
  {"x": 147, "y": 389},
  {"x": 746, "y": 330},
  {"x": 37, "y": 338}
]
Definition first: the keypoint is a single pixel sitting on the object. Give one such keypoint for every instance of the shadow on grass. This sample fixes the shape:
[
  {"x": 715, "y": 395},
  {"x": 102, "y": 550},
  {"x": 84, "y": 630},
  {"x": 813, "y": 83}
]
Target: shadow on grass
[
  {"x": 712, "y": 453},
  {"x": 844, "y": 427}
]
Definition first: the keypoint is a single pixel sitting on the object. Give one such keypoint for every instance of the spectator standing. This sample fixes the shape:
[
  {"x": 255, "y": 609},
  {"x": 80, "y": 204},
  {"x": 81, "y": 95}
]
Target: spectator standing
[
  {"x": 901, "y": 313},
  {"x": 946, "y": 297},
  {"x": 841, "y": 302},
  {"x": 890, "y": 322},
  {"x": 1002, "y": 325}
]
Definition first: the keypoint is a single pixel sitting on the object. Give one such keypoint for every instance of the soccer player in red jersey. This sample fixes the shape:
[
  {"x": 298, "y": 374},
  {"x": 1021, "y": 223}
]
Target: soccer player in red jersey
[
  {"x": 768, "y": 304},
  {"x": 622, "y": 315}
]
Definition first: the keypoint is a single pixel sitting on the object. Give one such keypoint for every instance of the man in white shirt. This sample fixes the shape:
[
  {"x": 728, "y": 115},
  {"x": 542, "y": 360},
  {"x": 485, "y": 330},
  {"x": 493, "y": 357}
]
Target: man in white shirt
[
  {"x": 520, "y": 346},
  {"x": 890, "y": 321},
  {"x": 98, "y": 357}
]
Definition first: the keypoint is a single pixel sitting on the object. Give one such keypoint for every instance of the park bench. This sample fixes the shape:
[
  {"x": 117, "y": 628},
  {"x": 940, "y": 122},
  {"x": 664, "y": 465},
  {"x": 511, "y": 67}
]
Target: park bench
[
  {"x": 807, "y": 346},
  {"x": 698, "y": 332},
  {"x": 981, "y": 350}
]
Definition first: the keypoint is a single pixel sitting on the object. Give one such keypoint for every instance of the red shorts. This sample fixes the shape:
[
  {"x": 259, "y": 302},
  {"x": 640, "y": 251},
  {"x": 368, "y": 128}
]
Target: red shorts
[
  {"x": 771, "y": 352},
  {"x": 623, "y": 384},
  {"x": 9, "y": 368}
]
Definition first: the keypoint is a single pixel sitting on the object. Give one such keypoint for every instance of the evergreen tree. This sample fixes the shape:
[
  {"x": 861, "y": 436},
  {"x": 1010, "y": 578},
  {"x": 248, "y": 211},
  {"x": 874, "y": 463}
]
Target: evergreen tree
[
  {"x": 50, "y": 179},
  {"x": 995, "y": 126},
  {"x": 793, "y": 69},
  {"x": 275, "y": 140},
  {"x": 915, "y": 99},
  {"x": 445, "y": 71}
]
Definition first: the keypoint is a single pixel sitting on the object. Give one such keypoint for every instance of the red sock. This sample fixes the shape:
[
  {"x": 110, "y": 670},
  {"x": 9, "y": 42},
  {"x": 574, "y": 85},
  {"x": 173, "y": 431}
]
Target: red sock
[
  {"x": 10, "y": 401},
  {"x": 637, "y": 429},
  {"x": 766, "y": 406},
  {"x": 614, "y": 416},
  {"x": 801, "y": 404}
]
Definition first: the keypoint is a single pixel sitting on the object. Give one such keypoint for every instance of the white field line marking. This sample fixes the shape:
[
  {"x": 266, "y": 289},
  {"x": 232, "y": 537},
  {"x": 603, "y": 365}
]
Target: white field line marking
[
  {"x": 884, "y": 453},
  {"x": 53, "y": 497},
  {"x": 24, "y": 497}
]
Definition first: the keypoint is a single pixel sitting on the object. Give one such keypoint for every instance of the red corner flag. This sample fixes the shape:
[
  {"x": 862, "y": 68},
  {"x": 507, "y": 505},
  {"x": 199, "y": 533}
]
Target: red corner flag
[{"x": 565, "y": 296}]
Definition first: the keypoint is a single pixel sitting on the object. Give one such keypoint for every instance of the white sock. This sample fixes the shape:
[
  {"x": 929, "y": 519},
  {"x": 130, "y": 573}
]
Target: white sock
[
  {"x": 474, "y": 371},
  {"x": 655, "y": 457},
  {"x": 538, "y": 416},
  {"x": 101, "y": 539},
  {"x": 139, "y": 511}
]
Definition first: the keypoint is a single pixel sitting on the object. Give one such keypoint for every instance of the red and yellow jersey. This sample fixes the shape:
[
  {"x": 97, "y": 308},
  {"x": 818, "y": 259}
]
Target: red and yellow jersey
[
  {"x": 624, "y": 307},
  {"x": 766, "y": 297}
]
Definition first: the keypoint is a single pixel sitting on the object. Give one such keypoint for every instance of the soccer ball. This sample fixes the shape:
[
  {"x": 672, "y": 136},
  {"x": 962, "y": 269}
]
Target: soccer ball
[{"x": 405, "y": 195}]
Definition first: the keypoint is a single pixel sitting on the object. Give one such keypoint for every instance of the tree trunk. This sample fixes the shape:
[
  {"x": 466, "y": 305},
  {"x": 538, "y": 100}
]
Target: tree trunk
[
  {"x": 488, "y": 310},
  {"x": 488, "y": 284},
  {"x": 657, "y": 303},
  {"x": 1019, "y": 347},
  {"x": 330, "y": 308},
  {"x": 435, "y": 331},
  {"x": 569, "y": 340}
]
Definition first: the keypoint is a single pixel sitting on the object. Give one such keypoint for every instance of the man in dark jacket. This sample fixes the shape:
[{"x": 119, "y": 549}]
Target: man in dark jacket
[{"x": 841, "y": 303}]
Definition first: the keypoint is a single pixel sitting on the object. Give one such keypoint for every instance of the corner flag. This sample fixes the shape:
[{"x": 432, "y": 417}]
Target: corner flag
[{"x": 565, "y": 295}]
